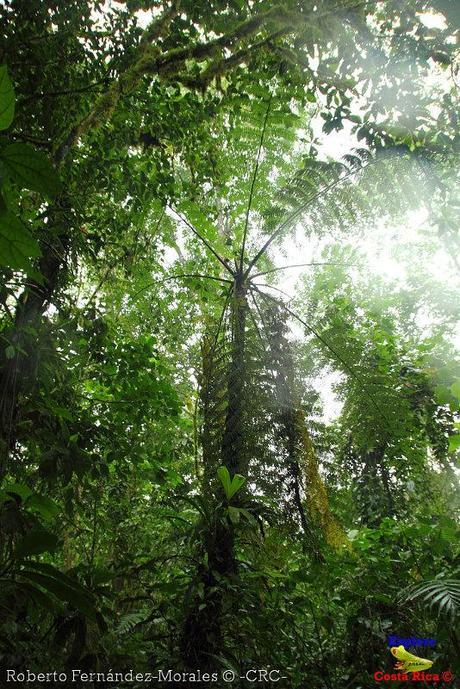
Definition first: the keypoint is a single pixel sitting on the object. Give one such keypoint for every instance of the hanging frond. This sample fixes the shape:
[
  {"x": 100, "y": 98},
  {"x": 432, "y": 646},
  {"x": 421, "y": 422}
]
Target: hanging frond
[{"x": 304, "y": 484}]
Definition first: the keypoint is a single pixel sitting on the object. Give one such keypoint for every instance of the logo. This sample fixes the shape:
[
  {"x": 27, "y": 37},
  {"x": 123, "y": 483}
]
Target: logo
[
  {"x": 409, "y": 642},
  {"x": 410, "y": 667},
  {"x": 408, "y": 662}
]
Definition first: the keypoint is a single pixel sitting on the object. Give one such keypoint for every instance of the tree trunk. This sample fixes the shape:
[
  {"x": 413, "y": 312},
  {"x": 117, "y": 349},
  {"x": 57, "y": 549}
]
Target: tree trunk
[
  {"x": 17, "y": 374},
  {"x": 233, "y": 451},
  {"x": 202, "y": 633}
]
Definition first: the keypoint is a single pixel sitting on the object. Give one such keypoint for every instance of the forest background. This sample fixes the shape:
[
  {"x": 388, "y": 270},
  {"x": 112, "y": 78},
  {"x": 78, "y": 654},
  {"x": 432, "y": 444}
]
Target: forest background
[{"x": 230, "y": 380}]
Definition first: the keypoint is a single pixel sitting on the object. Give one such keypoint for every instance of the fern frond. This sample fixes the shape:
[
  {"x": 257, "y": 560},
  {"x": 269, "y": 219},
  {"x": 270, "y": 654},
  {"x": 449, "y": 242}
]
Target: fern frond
[{"x": 129, "y": 621}]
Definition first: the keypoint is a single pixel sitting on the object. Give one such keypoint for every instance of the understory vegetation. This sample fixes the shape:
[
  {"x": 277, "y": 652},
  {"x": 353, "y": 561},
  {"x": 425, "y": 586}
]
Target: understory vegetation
[{"x": 229, "y": 366}]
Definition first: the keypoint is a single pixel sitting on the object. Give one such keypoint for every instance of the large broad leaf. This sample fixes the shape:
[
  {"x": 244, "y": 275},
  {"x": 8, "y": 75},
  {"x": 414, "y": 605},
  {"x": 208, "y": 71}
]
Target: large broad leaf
[
  {"x": 230, "y": 486},
  {"x": 6, "y": 98},
  {"x": 45, "y": 507},
  {"x": 224, "y": 477},
  {"x": 31, "y": 169},
  {"x": 62, "y": 586},
  {"x": 41, "y": 504},
  {"x": 11, "y": 589},
  {"x": 20, "y": 489},
  {"x": 37, "y": 596},
  {"x": 17, "y": 246},
  {"x": 36, "y": 542},
  {"x": 238, "y": 482}
]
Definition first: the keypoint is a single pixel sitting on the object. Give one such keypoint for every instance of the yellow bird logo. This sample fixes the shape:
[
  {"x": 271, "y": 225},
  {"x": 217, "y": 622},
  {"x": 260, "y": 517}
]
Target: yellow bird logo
[{"x": 408, "y": 662}]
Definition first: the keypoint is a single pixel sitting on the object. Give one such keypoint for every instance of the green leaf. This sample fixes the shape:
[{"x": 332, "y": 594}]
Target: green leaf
[
  {"x": 36, "y": 542},
  {"x": 230, "y": 486},
  {"x": 6, "y": 98},
  {"x": 17, "y": 246},
  {"x": 454, "y": 443},
  {"x": 442, "y": 394},
  {"x": 31, "y": 169},
  {"x": 224, "y": 477},
  {"x": 234, "y": 514},
  {"x": 35, "y": 594},
  {"x": 61, "y": 591},
  {"x": 20, "y": 489},
  {"x": 46, "y": 507},
  {"x": 237, "y": 482},
  {"x": 63, "y": 413},
  {"x": 455, "y": 389},
  {"x": 51, "y": 571}
]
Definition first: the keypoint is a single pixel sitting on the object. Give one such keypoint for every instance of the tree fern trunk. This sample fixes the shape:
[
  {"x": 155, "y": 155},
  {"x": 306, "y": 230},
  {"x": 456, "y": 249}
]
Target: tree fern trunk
[
  {"x": 233, "y": 453},
  {"x": 202, "y": 638}
]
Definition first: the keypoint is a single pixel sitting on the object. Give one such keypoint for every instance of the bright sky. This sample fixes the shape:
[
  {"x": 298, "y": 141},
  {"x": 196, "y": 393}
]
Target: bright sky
[{"x": 379, "y": 248}]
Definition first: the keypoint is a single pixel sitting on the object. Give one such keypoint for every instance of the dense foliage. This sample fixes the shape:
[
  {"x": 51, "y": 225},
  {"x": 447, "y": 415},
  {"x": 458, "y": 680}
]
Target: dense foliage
[{"x": 205, "y": 462}]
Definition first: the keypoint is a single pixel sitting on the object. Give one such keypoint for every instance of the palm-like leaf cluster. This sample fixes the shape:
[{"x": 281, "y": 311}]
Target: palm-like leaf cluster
[{"x": 442, "y": 595}]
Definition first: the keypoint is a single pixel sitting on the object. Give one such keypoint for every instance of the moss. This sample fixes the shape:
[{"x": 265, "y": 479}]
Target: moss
[
  {"x": 317, "y": 498},
  {"x": 101, "y": 112}
]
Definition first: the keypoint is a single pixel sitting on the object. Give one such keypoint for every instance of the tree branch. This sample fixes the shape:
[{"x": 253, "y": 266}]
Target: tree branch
[
  {"x": 205, "y": 241},
  {"x": 150, "y": 60},
  {"x": 258, "y": 284},
  {"x": 126, "y": 82},
  {"x": 222, "y": 65}
]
